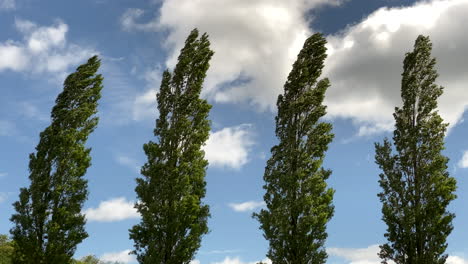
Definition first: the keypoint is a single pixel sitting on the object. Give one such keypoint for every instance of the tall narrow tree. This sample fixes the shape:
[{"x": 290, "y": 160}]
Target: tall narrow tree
[
  {"x": 48, "y": 224},
  {"x": 298, "y": 201},
  {"x": 171, "y": 190},
  {"x": 416, "y": 187}
]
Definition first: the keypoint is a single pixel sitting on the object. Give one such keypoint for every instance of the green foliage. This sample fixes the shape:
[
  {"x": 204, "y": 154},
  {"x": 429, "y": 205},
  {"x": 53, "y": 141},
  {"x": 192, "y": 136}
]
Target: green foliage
[
  {"x": 91, "y": 259},
  {"x": 6, "y": 250},
  {"x": 48, "y": 223},
  {"x": 299, "y": 204},
  {"x": 88, "y": 260},
  {"x": 170, "y": 193},
  {"x": 416, "y": 187}
]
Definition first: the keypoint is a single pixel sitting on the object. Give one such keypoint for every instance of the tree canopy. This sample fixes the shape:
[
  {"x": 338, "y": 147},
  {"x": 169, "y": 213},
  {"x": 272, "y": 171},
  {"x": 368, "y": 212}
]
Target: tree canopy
[
  {"x": 171, "y": 190},
  {"x": 48, "y": 223},
  {"x": 298, "y": 201},
  {"x": 416, "y": 186}
]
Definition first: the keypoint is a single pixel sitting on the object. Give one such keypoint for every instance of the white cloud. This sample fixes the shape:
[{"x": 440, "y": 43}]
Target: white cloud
[
  {"x": 128, "y": 21},
  {"x": 246, "y": 206},
  {"x": 3, "y": 174},
  {"x": 229, "y": 147},
  {"x": 259, "y": 40},
  {"x": 12, "y": 57},
  {"x": 463, "y": 163},
  {"x": 116, "y": 209},
  {"x": 144, "y": 105},
  {"x": 41, "y": 39},
  {"x": 456, "y": 260},
  {"x": 43, "y": 49},
  {"x": 369, "y": 255},
  {"x": 237, "y": 260},
  {"x": 131, "y": 163},
  {"x": 365, "y": 62},
  {"x": 357, "y": 255},
  {"x": 130, "y": 102},
  {"x": 7, "y": 4},
  {"x": 122, "y": 256}
]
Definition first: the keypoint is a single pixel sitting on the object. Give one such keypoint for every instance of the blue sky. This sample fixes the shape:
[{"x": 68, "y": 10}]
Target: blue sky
[{"x": 255, "y": 43}]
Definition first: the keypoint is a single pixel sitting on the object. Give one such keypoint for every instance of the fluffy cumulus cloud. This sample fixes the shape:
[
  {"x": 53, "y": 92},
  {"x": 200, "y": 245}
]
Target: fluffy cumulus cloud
[
  {"x": 246, "y": 206},
  {"x": 365, "y": 62},
  {"x": 43, "y": 49},
  {"x": 144, "y": 104},
  {"x": 357, "y": 255},
  {"x": 116, "y": 209},
  {"x": 121, "y": 257},
  {"x": 237, "y": 260},
  {"x": 369, "y": 255},
  {"x": 456, "y": 260},
  {"x": 463, "y": 163},
  {"x": 230, "y": 146},
  {"x": 255, "y": 42}
]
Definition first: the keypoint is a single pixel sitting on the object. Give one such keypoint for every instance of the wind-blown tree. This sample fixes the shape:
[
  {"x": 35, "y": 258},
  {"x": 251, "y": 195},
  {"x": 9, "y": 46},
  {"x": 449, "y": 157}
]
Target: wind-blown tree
[
  {"x": 298, "y": 201},
  {"x": 173, "y": 217},
  {"x": 416, "y": 187},
  {"x": 48, "y": 224}
]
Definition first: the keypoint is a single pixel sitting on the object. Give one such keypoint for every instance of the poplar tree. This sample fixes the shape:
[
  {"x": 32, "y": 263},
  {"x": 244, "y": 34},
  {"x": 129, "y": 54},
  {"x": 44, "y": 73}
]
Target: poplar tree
[
  {"x": 48, "y": 223},
  {"x": 416, "y": 187},
  {"x": 170, "y": 193},
  {"x": 298, "y": 201}
]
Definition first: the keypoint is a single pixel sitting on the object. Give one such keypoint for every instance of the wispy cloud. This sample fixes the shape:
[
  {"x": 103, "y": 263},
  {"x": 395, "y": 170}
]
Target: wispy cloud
[
  {"x": 31, "y": 111},
  {"x": 246, "y": 206},
  {"x": 7, "y": 4},
  {"x": 463, "y": 162},
  {"x": 130, "y": 102},
  {"x": 3, "y": 196},
  {"x": 144, "y": 105},
  {"x": 128, "y": 162},
  {"x": 116, "y": 209},
  {"x": 3, "y": 174}
]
